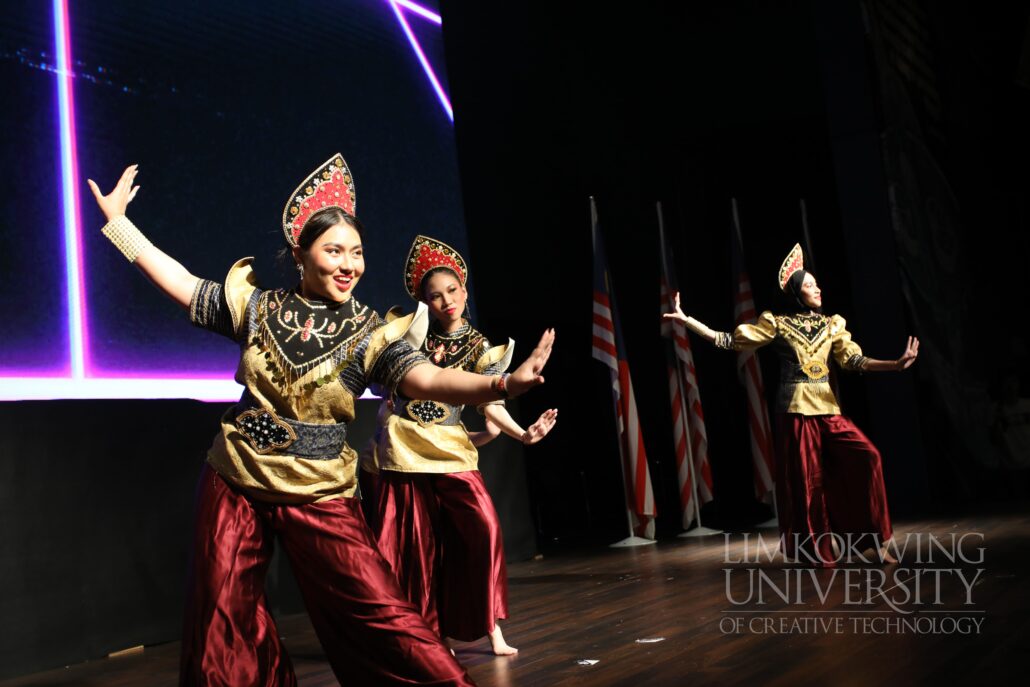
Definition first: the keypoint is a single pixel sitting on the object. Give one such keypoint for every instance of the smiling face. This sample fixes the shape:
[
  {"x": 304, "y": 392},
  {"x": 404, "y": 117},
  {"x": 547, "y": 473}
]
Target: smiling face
[
  {"x": 333, "y": 263},
  {"x": 445, "y": 296},
  {"x": 810, "y": 293}
]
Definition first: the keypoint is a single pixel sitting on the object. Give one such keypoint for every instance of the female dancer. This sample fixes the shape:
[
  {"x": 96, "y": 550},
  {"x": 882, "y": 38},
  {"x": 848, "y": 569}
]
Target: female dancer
[
  {"x": 829, "y": 478},
  {"x": 280, "y": 464},
  {"x": 436, "y": 524}
]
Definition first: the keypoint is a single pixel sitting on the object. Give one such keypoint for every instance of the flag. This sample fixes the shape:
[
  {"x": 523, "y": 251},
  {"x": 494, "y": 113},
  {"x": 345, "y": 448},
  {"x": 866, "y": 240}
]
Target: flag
[
  {"x": 689, "y": 435},
  {"x": 750, "y": 374},
  {"x": 609, "y": 349}
]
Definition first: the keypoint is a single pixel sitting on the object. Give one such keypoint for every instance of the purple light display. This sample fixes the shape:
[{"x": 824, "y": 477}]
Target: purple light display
[{"x": 78, "y": 378}]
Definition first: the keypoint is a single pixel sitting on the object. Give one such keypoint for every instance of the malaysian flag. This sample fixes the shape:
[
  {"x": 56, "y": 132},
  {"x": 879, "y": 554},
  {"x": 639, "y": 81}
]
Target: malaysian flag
[
  {"x": 750, "y": 374},
  {"x": 689, "y": 435},
  {"x": 609, "y": 349}
]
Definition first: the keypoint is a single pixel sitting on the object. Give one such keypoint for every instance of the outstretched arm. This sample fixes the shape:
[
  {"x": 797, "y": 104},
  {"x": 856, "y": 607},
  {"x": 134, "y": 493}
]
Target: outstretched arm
[
  {"x": 166, "y": 273},
  {"x": 499, "y": 415},
  {"x": 699, "y": 328},
  {"x": 484, "y": 437},
  {"x": 908, "y": 357},
  {"x": 458, "y": 387}
]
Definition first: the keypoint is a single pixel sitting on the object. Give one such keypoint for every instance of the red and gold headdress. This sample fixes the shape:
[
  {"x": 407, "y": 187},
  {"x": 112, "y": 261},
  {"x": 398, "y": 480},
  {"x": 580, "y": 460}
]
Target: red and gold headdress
[
  {"x": 331, "y": 185},
  {"x": 794, "y": 261},
  {"x": 427, "y": 254}
]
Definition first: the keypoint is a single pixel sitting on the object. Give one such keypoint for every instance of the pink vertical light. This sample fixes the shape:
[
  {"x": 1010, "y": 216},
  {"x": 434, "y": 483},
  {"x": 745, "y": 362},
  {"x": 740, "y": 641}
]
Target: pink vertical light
[{"x": 78, "y": 336}]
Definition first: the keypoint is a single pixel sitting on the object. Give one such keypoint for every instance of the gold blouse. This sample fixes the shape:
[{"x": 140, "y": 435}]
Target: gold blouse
[
  {"x": 427, "y": 436},
  {"x": 305, "y": 361},
  {"x": 804, "y": 343}
]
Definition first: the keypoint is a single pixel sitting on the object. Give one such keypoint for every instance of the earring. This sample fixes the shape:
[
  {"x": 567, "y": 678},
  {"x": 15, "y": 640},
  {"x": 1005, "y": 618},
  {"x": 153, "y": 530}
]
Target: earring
[{"x": 300, "y": 268}]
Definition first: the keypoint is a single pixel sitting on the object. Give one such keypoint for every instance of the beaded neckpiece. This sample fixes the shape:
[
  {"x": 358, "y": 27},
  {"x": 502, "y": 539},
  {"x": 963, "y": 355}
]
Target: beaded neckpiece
[
  {"x": 455, "y": 349},
  {"x": 807, "y": 331},
  {"x": 308, "y": 342}
]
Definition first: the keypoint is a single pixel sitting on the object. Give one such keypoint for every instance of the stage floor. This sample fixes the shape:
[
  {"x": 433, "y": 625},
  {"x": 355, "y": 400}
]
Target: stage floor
[{"x": 953, "y": 611}]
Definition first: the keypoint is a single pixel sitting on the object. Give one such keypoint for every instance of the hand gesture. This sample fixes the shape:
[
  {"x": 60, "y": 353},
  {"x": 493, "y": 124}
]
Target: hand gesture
[
  {"x": 910, "y": 354},
  {"x": 539, "y": 429},
  {"x": 115, "y": 202},
  {"x": 528, "y": 373},
  {"x": 678, "y": 315}
]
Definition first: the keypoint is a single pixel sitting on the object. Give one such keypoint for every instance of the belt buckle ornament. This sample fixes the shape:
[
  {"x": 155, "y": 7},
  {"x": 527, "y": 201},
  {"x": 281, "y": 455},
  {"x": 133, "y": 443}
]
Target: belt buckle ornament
[
  {"x": 814, "y": 369},
  {"x": 428, "y": 412},
  {"x": 265, "y": 432}
]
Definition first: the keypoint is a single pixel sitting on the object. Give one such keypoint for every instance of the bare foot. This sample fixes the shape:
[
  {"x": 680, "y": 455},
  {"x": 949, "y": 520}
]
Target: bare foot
[
  {"x": 886, "y": 557},
  {"x": 498, "y": 644}
]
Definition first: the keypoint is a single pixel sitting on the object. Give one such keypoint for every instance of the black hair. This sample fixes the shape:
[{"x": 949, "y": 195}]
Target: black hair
[
  {"x": 792, "y": 302},
  {"x": 430, "y": 273},
  {"x": 318, "y": 224},
  {"x": 436, "y": 270}
]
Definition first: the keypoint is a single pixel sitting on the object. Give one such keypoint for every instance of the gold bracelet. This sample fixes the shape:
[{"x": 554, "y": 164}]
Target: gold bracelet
[{"x": 126, "y": 237}]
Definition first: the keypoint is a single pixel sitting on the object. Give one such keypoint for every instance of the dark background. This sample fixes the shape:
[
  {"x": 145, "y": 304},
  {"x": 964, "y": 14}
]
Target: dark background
[{"x": 902, "y": 125}]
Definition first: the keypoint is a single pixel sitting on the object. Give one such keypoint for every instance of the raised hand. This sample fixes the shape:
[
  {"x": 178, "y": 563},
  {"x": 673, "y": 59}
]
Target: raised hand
[
  {"x": 539, "y": 429},
  {"x": 678, "y": 315},
  {"x": 115, "y": 202},
  {"x": 910, "y": 354},
  {"x": 527, "y": 375}
]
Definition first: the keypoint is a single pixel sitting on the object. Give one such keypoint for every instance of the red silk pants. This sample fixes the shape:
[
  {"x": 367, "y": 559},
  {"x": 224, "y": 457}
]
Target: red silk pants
[{"x": 370, "y": 633}]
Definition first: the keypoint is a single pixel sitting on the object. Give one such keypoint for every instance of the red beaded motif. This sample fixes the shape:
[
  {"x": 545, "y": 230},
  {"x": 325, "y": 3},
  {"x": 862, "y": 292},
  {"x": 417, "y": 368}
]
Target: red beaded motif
[
  {"x": 427, "y": 254},
  {"x": 331, "y": 185},
  {"x": 792, "y": 263}
]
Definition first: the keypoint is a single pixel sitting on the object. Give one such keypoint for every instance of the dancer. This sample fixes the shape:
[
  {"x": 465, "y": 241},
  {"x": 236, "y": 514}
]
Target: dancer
[
  {"x": 435, "y": 521},
  {"x": 829, "y": 476},
  {"x": 280, "y": 466}
]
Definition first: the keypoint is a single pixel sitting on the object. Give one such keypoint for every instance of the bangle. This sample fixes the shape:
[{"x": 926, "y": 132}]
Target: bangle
[
  {"x": 500, "y": 384},
  {"x": 126, "y": 237}
]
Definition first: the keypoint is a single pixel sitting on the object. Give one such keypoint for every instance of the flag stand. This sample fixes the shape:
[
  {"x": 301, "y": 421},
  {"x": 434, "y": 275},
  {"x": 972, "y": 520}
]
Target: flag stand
[
  {"x": 700, "y": 530},
  {"x": 632, "y": 539}
]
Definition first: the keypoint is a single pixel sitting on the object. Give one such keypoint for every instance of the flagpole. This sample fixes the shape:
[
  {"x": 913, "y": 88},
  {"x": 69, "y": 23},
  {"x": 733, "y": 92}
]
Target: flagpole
[
  {"x": 809, "y": 253},
  {"x": 772, "y": 522},
  {"x": 700, "y": 530},
  {"x": 632, "y": 539}
]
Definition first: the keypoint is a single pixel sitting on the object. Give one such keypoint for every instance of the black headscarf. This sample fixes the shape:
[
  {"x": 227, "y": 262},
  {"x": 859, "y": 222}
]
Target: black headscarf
[{"x": 792, "y": 302}]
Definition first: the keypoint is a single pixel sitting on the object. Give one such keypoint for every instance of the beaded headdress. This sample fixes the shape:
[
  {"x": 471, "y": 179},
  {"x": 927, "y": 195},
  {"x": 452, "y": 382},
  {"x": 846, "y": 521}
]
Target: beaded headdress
[
  {"x": 331, "y": 185},
  {"x": 792, "y": 263},
  {"x": 427, "y": 254}
]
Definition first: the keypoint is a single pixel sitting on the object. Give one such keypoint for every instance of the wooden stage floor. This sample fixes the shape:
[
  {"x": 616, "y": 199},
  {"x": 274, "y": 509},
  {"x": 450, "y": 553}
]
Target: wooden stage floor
[{"x": 670, "y": 614}]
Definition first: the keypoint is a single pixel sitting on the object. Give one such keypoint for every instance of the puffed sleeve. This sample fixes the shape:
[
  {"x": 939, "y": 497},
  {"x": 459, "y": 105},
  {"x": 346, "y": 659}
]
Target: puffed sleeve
[
  {"x": 494, "y": 360},
  {"x": 846, "y": 352},
  {"x": 392, "y": 350},
  {"x": 749, "y": 336},
  {"x": 226, "y": 308}
]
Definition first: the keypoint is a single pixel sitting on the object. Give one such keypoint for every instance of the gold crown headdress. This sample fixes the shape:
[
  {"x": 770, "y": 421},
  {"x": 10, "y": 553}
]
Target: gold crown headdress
[
  {"x": 426, "y": 254},
  {"x": 331, "y": 185},
  {"x": 794, "y": 261}
]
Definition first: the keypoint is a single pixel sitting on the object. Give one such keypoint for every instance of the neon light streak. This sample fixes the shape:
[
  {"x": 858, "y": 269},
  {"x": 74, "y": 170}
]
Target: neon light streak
[
  {"x": 78, "y": 337},
  {"x": 422, "y": 12},
  {"x": 84, "y": 382}
]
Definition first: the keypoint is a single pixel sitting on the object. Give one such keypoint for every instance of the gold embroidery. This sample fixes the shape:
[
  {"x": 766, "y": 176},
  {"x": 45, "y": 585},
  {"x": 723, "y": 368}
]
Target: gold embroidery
[{"x": 815, "y": 369}]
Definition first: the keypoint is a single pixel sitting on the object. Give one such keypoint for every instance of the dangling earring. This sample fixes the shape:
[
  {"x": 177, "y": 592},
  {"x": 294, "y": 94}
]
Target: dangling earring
[{"x": 300, "y": 268}]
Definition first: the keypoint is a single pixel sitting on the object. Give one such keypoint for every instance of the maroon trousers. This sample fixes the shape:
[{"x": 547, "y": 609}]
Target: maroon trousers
[
  {"x": 370, "y": 633},
  {"x": 829, "y": 480},
  {"x": 441, "y": 536}
]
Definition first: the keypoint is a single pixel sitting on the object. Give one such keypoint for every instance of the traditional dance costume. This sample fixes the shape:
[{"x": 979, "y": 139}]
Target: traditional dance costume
[
  {"x": 436, "y": 523},
  {"x": 829, "y": 475},
  {"x": 280, "y": 466}
]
